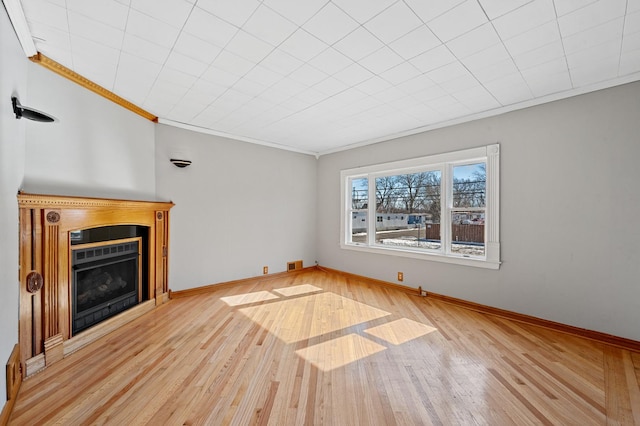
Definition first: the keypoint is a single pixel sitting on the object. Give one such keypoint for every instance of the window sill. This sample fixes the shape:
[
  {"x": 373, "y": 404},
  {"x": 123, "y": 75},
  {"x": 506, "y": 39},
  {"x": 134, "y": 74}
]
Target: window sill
[{"x": 434, "y": 257}]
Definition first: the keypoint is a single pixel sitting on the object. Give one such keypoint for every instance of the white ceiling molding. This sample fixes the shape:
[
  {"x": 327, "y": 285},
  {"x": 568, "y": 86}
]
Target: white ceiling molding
[
  {"x": 19, "y": 22},
  {"x": 230, "y": 136}
]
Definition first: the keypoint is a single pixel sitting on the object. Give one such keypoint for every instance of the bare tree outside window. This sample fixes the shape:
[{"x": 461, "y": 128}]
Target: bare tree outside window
[
  {"x": 386, "y": 188},
  {"x": 470, "y": 185},
  {"x": 408, "y": 209}
]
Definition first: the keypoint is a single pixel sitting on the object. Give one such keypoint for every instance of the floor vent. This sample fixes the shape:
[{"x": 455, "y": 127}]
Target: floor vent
[{"x": 294, "y": 266}]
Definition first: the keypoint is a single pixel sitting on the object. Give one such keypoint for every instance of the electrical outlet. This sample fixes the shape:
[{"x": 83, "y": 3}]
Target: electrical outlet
[
  {"x": 265, "y": 270},
  {"x": 400, "y": 276}
]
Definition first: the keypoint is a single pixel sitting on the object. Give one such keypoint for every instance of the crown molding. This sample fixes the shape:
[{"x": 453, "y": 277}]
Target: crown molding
[{"x": 231, "y": 136}]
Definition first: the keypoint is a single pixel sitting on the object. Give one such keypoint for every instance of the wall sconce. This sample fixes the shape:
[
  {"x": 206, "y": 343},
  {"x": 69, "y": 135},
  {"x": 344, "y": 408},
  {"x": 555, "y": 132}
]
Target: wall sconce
[
  {"x": 29, "y": 113},
  {"x": 180, "y": 163}
]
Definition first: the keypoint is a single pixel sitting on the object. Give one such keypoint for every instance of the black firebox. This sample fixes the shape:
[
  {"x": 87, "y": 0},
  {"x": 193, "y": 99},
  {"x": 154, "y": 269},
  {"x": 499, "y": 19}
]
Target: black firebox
[{"x": 106, "y": 281}]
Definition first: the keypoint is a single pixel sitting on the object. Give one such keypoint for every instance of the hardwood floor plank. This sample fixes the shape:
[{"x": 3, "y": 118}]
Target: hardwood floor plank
[
  {"x": 424, "y": 398},
  {"x": 632, "y": 365},
  {"x": 318, "y": 347},
  {"x": 620, "y": 405},
  {"x": 579, "y": 390},
  {"x": 524, "y": 401},
  {"x": 375, "y": 379}
]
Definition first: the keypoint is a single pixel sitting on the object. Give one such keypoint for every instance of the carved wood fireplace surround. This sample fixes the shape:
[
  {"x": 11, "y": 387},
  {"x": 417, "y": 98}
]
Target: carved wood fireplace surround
[{"x": 48, "y": 226}]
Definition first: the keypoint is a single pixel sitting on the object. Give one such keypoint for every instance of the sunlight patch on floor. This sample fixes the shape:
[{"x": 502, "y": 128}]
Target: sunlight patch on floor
[
  {"x": 302, "y": 312},
  {"x": 338, "y": 352},
  {"x": 297, "y": 290},
  {"x": 247, "y": 298},
  {"x": 400, "y": 331},
  {"x": 305, "y": 317}
]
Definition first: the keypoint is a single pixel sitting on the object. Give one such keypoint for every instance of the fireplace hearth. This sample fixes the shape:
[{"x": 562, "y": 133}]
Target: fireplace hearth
[{"x": 106, "y": 281}]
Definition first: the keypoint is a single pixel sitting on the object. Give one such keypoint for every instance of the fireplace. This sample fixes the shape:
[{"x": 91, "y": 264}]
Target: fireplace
[
  {"x": 87, "y": 266},
  {"x": 105, "y": 281}
]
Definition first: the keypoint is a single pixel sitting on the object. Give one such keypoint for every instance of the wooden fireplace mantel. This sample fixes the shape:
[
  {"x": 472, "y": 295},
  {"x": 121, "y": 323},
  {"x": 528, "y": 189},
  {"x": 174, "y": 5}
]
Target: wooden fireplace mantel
[{"x": 46, "y": 223}]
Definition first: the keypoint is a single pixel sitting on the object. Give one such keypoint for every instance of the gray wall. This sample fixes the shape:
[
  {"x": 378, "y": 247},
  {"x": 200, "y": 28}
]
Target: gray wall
[
  {"x": 13, "y": 82},
  {"x": 97, "y": 149},
  {"x": 570, "y": 238},
  {"x": 239, "y": 207}
]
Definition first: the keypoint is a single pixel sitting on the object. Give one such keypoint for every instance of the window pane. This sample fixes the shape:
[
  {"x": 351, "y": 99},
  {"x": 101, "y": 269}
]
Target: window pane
[
  {"x": 408, "y": 210},
  {"x": 467, "y": 233},
  {"x": 359, "y": 204},
  {"x": 359, "y": 227},
  {"x": 359, "y": 193},
  {"x": 470, "y": 185}
]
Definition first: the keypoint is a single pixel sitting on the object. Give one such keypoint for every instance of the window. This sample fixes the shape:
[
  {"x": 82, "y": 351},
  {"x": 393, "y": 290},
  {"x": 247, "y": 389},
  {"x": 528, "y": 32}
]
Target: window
[{"x": 443, "y": 207}]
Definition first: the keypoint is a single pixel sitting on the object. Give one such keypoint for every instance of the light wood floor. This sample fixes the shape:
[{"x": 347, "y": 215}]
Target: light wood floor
[{"x": 320, "y": 348}]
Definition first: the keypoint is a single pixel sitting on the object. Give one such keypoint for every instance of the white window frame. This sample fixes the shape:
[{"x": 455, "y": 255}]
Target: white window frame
[{"x": 490, "y": 154}]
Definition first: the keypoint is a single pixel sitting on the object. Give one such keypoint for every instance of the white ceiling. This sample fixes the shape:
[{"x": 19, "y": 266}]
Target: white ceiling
[{"x": 318, "y": 76}]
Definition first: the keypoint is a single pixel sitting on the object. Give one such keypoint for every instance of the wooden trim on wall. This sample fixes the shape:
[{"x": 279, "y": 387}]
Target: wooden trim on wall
[
  {"x": 39, "y": 201},
  {"x": 65, "y": 72},
  {"x": 609, "y": 339},
  {"x": 400, "y": 287},
  {"x": 213, "y": 287}
]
